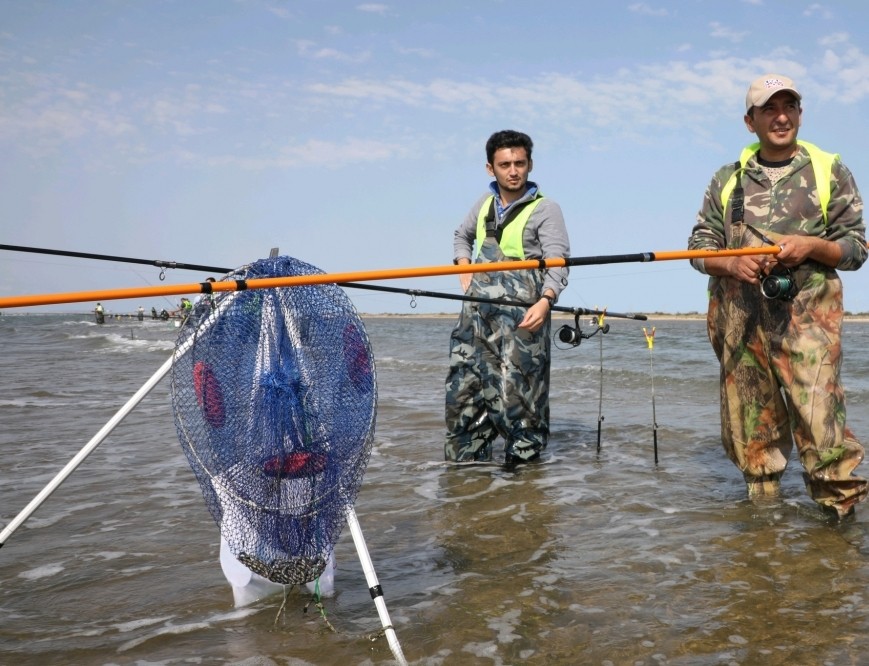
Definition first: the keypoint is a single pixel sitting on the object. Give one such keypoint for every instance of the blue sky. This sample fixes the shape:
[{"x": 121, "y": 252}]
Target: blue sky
[{"x": 350, "y": 134}]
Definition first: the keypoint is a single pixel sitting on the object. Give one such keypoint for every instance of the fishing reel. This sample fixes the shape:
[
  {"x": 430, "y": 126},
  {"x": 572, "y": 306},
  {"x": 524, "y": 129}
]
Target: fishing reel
[
  {"x": 779, "y": 285},
  {"x": 572, "y": 336}
]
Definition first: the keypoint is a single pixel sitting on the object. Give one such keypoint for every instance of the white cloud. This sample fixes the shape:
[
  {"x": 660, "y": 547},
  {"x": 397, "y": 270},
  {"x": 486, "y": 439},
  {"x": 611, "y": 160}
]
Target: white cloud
[
  {"x": 630, "y": 100},
  {"x": 309, "y": 49},
  {"x": 280, "y": 12},
  {"x": 316, "y": 152},
  {"x": 440, "y": 95},
  {"x": 849, "y": 77},
  {"x": 416, "y": 51},
  {"x": 721, "y": 31},
  {"x": 336, "y": 153},
  {"x": 834, "y": 39},
  {"x": 642, "y": 101},
  {"x": 646, "y": 10},
  {"x": 373, "y": 7},
  {"x": 831, "y": 61},
  {"x": 816, "y": 9}
]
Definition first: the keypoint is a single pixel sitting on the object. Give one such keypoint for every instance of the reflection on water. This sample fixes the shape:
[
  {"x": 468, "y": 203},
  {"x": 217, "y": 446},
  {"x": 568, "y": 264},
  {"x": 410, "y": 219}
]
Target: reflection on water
[
  {"x": 585, "y": 558},
  {"x": 493, "y": 534}
]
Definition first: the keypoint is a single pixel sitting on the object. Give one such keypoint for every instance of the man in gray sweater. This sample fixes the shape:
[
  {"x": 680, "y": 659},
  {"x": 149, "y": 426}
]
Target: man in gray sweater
[{"x": 498, "y": 381}]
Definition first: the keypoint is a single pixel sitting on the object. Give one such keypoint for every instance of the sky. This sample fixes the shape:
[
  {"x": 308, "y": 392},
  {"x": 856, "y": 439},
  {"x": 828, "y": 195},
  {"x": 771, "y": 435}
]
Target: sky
[{"x": 351, "y": 135}]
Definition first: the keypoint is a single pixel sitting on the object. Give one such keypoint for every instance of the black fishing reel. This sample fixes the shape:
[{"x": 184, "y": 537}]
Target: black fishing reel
[
  {"x": 572, "y": 336},
  {"x": 779, "y": 285}
]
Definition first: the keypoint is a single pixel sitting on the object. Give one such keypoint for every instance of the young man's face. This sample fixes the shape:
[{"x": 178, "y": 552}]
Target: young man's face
[
  {"x": 777, "y": 122},
  {"x": 510, "y": 167}
]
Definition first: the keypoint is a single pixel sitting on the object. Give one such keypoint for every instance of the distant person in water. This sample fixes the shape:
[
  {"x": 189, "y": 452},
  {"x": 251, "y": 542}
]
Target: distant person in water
[
  {"x": 203, "y": 301},
  {"x": 184, "y": 308},
  {"x": 100, "y": 314}
]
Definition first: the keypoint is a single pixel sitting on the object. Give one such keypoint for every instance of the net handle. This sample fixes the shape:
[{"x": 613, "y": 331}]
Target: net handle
[
  {"x": 96, "y": 440},
  {"x": 373, "y": 585},
  {"x": 88, "y": 448}
]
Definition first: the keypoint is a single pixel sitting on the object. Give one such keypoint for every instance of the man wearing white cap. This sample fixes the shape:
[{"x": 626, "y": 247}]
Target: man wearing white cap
[{"x": 775, "y": 320}]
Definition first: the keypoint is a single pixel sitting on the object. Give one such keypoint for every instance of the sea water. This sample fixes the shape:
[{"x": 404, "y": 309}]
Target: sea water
[{"x": 598, "y": 555}]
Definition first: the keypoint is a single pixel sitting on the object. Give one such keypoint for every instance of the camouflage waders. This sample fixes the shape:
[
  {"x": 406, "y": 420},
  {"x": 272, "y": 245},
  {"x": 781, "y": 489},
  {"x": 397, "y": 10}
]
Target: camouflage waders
[
  {"x": 498, "y": 382},
  {"x": 780, "y": 364}
]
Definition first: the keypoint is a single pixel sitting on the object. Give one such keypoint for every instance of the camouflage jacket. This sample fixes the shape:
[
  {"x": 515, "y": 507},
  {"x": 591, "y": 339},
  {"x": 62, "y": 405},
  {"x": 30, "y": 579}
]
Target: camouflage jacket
[{"x": 789, "y": 207}]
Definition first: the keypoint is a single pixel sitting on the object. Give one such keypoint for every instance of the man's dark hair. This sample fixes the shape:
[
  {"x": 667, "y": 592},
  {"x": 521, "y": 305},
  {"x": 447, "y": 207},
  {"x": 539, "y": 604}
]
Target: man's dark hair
[{"x": 507, "y": 139}]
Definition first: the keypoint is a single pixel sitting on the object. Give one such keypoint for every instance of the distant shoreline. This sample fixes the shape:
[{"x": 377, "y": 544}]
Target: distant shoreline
[{"x": 650, "y": 316}]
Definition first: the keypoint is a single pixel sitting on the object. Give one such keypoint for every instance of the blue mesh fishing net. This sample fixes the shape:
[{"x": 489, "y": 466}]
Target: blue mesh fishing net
[{"x": 274, "y": 394}]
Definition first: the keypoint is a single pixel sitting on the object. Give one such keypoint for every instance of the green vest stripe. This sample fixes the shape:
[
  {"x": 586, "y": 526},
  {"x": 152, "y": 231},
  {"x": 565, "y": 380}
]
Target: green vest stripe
[
  {"x": 822, "y": 166},
  {"x": 511, "y": 238}
]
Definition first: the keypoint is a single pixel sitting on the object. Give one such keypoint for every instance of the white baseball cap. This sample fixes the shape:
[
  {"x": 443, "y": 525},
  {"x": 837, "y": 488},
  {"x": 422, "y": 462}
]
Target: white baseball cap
[{"x": 764, "y": 87}]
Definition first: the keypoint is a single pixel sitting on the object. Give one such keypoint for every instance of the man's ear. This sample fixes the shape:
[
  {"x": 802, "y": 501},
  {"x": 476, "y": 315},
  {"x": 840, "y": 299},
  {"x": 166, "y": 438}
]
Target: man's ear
[
  {"x": 749, "y": 123},
  {"x": 490, "y": 169},
  {"x": 530, "y": 164}
]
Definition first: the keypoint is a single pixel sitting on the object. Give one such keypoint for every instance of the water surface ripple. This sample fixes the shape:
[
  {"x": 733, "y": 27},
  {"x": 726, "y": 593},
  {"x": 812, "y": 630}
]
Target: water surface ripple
[{"x": 587, "y": 558}]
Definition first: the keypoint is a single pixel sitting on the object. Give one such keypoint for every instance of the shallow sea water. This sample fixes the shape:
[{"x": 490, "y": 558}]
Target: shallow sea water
[{"x": 591, "y": 557}]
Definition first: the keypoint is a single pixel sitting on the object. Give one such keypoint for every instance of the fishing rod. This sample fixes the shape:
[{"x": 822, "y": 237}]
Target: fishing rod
[
  {"x": 605, "y": 329},
  {"x": 408, "y": 292},
  {"x": 572, "y": 336},
  {"x": 650, "y": 341},
  {"x": 159, "y": 263},
  {"x": 495, "y": 301},
  {"x": 107, "y": 257},
  {"x": 382, "y": 274}
]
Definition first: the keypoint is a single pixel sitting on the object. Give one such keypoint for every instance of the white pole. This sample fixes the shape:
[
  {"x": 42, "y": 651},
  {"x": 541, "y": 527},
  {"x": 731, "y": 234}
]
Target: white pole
[
  {"x": 374, "y": 586},
  {"x": 97, "y": 439},
  {"x": 88, "y": 448}
]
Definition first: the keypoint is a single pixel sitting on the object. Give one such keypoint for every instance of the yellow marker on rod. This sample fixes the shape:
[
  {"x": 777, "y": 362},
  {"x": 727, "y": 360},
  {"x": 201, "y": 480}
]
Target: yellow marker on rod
[
  {"x": 603, "y": 329},
  {"x": 650, "y": 341}
]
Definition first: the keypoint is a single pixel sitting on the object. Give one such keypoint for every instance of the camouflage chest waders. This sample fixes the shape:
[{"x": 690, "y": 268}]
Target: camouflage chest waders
[
  {"x": 498, "y": 381},
  {"x": 780, "y": 363}
]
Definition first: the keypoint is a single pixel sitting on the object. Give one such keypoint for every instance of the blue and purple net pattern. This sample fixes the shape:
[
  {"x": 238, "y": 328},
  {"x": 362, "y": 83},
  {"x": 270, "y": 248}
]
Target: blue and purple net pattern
[{"x": 274, "y": 394}]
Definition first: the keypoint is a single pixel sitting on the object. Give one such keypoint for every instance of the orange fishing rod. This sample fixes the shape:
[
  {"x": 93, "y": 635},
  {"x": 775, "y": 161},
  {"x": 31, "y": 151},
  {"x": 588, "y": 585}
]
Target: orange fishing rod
[{"x": 384, "y": 274}]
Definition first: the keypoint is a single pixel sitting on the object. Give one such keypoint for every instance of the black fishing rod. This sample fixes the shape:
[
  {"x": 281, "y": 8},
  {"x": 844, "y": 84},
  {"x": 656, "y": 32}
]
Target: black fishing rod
[
  {"x": 221, "y": 270},
  {"x": 495, "y": 301},
  {"x": 572, "y": 336},
  {"x": 106, "y": 257}
]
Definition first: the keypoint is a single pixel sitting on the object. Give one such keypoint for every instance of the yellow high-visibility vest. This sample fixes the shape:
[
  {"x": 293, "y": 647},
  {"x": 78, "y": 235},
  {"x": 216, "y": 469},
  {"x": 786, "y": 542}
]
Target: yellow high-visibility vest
[
  {"x": 822, "y": 166},
  {"x": 511, "y": 234}
]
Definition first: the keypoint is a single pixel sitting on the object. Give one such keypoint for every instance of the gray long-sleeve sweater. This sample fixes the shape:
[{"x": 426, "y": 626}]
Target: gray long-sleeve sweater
[{"x": 544, "y": 237}]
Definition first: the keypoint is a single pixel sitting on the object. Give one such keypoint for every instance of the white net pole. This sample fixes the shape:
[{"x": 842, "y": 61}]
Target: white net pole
[{"x": 374, "y": 585}]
